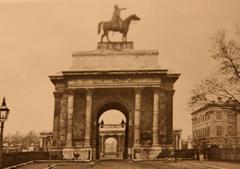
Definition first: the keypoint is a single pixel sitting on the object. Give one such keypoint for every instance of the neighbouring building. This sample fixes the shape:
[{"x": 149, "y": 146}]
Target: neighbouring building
[{"x": 217, "y": 124}]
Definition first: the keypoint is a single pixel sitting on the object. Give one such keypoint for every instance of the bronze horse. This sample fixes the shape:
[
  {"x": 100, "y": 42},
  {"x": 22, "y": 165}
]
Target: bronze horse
[{"x": 110, "y": 26}]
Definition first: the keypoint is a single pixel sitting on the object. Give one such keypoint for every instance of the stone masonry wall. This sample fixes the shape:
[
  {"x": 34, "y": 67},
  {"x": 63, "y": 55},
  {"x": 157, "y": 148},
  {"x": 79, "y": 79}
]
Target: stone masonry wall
[
  {"x": 146, "y": 118},
  {"x": 79, "y": 118}
]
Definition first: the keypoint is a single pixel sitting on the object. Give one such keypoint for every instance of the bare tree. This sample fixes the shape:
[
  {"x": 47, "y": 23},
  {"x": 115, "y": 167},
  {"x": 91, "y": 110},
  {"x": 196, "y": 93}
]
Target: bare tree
[
  {"x": 224, "y": 83},
  {"x": 31, "y": 137},
  {"x": 26, "y": 140}
]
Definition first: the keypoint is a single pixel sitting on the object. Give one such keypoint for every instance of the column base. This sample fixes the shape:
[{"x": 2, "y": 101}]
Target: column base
[
  {"x": 152, "y": 152},
  {"x": 57, "y": 153},
  {"x": 136, "y": 145},
  {"x": 77, "y": 153},
  {"x": 87, "y": 146},
  {"x": 155, "y": 151},
  {"x": 156, "y": 145},
  {"x": 136, "y": 152}
]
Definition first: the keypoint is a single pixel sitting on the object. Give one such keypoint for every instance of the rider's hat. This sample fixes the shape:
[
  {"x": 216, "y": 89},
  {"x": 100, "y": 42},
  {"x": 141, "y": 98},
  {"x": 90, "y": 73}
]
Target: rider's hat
[{"x": 116, "y": 6}]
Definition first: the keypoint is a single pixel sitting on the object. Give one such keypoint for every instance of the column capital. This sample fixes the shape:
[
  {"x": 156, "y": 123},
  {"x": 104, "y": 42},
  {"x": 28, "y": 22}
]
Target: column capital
[
  {"x": 170, "y": 92},
  {"x": 89, "y": 91},
  {"x": 138, "y": 90},
  {"x": 57, "y": 94},
  {"x": 157, "y": 90},
  {"x": 70, "y": 91}
]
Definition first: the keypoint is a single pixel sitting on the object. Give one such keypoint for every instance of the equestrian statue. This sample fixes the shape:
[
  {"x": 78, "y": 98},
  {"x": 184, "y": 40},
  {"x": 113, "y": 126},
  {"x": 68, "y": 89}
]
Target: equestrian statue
[{"x": 117, "y": 24}]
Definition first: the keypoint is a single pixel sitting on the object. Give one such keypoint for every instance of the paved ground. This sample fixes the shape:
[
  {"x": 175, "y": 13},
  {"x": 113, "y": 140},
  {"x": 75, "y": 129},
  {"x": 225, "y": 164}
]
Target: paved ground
[
  {"x": 152, "y": 165},
  {"x": 140, "y": 165},
  {"x": 35, "y": 166}
]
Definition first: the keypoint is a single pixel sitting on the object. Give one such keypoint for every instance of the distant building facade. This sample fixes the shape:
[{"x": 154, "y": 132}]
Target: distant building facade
[
  {"x": 217, "y": 124},
  {"x": 45, "y": 141},
  {"x": 111, "y": 142},
  {"x": 186, "y": 143},
  {"x": 177, "y": 141}
]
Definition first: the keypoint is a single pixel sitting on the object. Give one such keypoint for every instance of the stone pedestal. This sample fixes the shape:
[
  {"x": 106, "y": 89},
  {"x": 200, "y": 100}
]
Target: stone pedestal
[
  {"x": 115, "y": 56},
  {"x": 75, "y": 153},
  {"x": 115, "y": 45},
  {"x": 155, "y": 151}
]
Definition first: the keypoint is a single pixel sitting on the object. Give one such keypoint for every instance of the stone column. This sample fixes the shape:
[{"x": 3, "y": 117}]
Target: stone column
[
  {"x": 238, "y": 124},
  {"x": 155, "y": 135},
  {"x": 177, "y": 142},
  {"x": 137, "y": 115},
  {"x": 70, "y": 117},
  {"x": 56, "y": 118},
  {"x": 88, "y": 130},
  {"x": 102, "y": 151},
  {"x": 63, "y": 121},
  {"x": 180, "y": 142},
  {"x": 169, "y": 131}
]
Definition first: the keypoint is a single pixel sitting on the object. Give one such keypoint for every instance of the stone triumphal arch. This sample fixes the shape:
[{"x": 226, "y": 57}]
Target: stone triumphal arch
[{"x": 115, "y": 76}]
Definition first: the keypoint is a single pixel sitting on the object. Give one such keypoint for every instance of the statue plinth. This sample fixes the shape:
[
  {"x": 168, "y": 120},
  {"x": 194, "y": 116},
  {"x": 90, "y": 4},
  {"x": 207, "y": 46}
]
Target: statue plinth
[
  {"x": 115, "y": 56},
  {"x": 115, "y": 45}
]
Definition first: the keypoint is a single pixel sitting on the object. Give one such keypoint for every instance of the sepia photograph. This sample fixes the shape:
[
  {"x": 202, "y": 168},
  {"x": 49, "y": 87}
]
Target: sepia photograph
[{"x": 120, "y": 84}]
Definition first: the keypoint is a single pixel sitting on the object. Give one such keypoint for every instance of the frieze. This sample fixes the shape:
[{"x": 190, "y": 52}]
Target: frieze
[{"x": 114, "y": 82}]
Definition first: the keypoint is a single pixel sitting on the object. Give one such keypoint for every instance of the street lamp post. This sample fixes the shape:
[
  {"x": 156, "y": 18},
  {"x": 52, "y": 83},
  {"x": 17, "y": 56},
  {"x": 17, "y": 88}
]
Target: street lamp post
[
  {"x": 50, "y": 139},
  {"x": 197, "y": 148},
  {"x": 4, "y": 111}
]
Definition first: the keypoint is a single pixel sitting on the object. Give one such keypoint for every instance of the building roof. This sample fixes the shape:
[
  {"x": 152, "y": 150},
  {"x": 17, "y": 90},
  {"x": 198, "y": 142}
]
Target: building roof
[{"x": 229, "y": 104}]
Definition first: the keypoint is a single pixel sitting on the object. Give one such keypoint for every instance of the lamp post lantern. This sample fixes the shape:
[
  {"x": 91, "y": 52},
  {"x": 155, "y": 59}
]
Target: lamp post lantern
[
  {"x": 122, "y": 123},
  {"x": 102, "y": 124},
  {"x": 4, "y": 112}
]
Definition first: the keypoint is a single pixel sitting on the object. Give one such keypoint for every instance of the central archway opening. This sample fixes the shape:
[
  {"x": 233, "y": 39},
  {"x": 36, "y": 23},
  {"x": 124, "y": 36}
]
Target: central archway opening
[
  {"x": 112, "y": 133},
  {"x": 110, "y": 150}
]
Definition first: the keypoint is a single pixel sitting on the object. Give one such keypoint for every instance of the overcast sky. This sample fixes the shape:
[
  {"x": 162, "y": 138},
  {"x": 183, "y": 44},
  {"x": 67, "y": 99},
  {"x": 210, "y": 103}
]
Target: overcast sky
[{"x": 38, "y": 37}]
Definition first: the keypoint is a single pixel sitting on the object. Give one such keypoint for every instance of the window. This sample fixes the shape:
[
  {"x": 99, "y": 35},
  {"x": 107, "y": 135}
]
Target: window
[
  {"x": 208, "y": 131},
  {"x": 219, "y": 130},
  {"x": 218, "y": 115},
  {"x": 229, "y": 115},
  {"x": 194, "y": 121},
  {"x": 230, "y": 130}
]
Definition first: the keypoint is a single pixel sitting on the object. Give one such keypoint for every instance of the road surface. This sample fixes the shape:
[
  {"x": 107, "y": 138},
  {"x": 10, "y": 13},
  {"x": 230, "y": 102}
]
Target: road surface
[{"x": 114, "y": 164}]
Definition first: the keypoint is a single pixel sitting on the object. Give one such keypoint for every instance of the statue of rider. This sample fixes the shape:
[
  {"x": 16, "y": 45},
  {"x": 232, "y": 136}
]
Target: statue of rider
[{"x": 116, "y": 19}]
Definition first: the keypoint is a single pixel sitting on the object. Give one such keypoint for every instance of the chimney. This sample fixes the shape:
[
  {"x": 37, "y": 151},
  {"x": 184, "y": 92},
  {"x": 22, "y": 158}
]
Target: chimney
[
  {"x": 219, "y": 99},
  {"x": 230, "y": 100}
]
